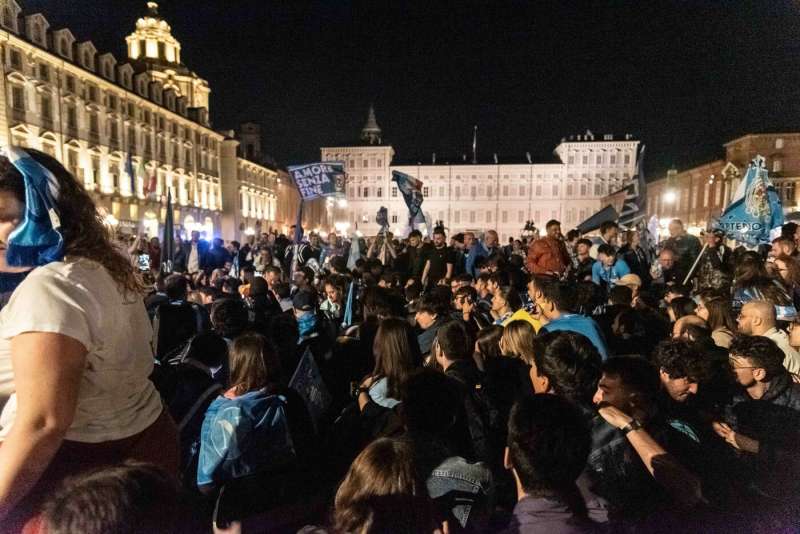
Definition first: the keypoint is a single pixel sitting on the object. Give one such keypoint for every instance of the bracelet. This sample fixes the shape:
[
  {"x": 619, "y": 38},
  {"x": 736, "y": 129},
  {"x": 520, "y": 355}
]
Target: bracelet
[{"x": 630, "y": 427}]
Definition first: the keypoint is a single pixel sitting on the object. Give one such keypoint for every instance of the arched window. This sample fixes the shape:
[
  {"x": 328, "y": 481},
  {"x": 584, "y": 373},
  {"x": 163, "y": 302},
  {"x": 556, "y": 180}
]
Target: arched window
[
  {"x": 37, "y": 32},
  {"x": 7, "y": 17}
]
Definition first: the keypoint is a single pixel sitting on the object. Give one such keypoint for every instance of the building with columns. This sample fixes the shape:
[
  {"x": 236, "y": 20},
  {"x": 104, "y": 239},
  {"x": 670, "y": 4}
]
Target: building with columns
[
  {"x": 478, "y": 196},
  {"x": 99, "y": 115},
  {"x": 699, "y": 194}
]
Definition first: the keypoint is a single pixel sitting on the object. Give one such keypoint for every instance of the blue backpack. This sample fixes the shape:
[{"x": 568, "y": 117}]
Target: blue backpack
[{"x": 244, "y": 436}]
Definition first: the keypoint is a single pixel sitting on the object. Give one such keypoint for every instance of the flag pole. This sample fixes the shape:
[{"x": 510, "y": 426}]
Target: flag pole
[{"x": 694, "y": 266}]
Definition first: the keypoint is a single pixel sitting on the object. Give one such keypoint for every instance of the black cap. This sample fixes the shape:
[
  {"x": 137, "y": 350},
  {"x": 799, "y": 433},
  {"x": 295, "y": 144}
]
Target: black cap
[{"x": 304, "y": 300}]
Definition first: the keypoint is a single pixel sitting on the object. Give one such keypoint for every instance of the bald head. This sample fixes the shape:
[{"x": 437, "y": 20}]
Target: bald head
[{"x": 756, "y": 318}]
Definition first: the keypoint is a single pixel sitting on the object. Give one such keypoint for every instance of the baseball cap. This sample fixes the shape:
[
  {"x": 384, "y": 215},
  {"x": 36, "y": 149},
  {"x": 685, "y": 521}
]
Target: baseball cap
[
  {"x": 630, "y": 280},
  {"x": 304, "y": 300}
]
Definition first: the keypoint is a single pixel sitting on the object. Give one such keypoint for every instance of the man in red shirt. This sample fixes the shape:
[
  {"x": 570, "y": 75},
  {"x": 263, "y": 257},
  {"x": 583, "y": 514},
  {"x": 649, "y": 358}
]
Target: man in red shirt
[{"x": 548, "y": 255}]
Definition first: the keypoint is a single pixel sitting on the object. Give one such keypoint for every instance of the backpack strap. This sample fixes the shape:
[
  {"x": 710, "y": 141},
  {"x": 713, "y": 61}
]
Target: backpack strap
[{"x": 213, "y": 388}]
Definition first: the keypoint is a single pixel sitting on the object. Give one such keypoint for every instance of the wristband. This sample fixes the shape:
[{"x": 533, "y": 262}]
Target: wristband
[
  {"x": 363, "y": 389},
  {"x": 630, "y": 427}
]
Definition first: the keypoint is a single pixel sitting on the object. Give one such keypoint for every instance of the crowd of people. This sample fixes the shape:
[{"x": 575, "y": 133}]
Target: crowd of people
[{"x": 553, "y": 384}]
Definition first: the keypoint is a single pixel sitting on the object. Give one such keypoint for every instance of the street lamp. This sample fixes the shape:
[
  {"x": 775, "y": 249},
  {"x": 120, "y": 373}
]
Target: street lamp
[{"x": 670, "y": 197}]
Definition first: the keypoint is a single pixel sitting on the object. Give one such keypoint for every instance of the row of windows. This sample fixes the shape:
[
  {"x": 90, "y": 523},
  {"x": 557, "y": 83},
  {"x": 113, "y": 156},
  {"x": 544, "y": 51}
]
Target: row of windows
[
  {"x": 512, "y": 191},
  {"x": 571, "y": 216},
  {"x": 141, "y": 138},
  {"x": 600, "y": 159},
  {"x": 85, "y": 54}
]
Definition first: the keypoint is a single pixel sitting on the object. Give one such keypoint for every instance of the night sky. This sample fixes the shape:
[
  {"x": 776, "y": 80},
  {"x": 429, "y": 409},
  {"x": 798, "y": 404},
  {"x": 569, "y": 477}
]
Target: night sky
[{"x": 683, "y": 76}]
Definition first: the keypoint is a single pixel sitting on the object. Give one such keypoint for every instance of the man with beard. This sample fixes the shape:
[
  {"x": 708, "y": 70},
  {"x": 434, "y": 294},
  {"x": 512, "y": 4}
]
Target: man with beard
[{"x": 439, "y": 260}]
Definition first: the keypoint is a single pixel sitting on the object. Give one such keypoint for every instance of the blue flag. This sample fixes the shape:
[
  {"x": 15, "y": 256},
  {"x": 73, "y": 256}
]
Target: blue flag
[
  {"x": 755, "y": 208},
  {"x": 411, "y": 188},
  {"x": 314, "y": 180},
  {"x": 131, "y": 174},
  {"x": 634, "y": 210},
  {"x": 307, "y": 381}
]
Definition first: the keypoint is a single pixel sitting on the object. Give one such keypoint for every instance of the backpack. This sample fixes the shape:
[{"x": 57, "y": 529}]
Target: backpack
[
  {"x": 486, "y": 425},
  {"x": 243, "y": 436},
  {"x": 174, "y": 324}
]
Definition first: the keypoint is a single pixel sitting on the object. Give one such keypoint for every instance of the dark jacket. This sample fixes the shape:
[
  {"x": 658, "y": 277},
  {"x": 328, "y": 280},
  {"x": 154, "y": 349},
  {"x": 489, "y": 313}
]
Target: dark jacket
[
  {"x": 637, "y": 261},
  {"x": 181, "y": 262},
  {"x": 715, "y": 268},
  {"x": 774, "y": 421},
  {"x": 687, "y": 247}
]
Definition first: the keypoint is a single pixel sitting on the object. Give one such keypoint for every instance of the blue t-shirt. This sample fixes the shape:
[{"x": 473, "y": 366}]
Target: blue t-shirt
[
  {"x": 580, "y": 324},
  {"x": 609, "y": 275}
]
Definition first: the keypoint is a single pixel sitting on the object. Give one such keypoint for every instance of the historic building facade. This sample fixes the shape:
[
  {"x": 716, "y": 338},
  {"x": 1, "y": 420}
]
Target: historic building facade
[
  {"x": 699, "y": 195},
  {"x": 501, "y": 196},
  {"x": 103, "y": 117}
]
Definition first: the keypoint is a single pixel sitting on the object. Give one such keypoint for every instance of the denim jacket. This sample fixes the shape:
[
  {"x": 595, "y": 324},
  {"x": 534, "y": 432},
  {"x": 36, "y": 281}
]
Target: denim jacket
[{"x": 465, "y": 489}]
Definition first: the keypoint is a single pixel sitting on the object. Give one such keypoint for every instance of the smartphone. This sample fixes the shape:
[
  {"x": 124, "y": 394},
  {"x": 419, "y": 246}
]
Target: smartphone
[{"x": 144, "y": 262}]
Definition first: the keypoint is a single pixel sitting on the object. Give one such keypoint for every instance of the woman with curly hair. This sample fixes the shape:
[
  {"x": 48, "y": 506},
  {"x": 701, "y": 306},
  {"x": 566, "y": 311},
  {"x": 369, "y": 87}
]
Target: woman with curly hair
[{"x": 74, "y": 342}]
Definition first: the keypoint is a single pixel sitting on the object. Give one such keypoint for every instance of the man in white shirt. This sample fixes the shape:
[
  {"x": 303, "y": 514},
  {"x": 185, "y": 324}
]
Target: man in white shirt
[
  {"x": 757, "y": 318},
  {"x": 608, "y": 236}
]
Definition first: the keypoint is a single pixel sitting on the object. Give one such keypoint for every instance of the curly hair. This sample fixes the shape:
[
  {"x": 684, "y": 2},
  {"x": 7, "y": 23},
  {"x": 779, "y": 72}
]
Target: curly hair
[
  {"x": 680, "y": 359},
  {"x": 85, "y": 235}
]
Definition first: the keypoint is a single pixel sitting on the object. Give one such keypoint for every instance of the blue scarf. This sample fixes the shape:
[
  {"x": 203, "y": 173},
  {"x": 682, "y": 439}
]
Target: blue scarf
[
  {"x": 307, "y": 324},
  {"x": 36, "y": 241}
]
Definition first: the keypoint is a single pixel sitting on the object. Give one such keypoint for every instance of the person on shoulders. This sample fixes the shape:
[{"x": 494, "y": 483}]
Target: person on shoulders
[
  {"x": 608, "y": 268},
  {"x": 609, "y": 231},
  {"x": 686, "y": 246},
  {"x": 75, "y": 347},
  {"x": 548, "y": 256}
]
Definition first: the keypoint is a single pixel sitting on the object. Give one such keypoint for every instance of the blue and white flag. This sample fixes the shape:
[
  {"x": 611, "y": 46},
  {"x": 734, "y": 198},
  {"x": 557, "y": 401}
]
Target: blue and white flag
[
  {"x": 307, "y": 381},
  {"x": 37, "y": 240},
  {"x": 634, "y": 210},
  {"x": 314, "y": 180},
  {"x": 411, "y": 188},
  {"x": 347, "y": 318},
  {"x": 755, "y": 208},
  {"x": 131, "y": 173}
]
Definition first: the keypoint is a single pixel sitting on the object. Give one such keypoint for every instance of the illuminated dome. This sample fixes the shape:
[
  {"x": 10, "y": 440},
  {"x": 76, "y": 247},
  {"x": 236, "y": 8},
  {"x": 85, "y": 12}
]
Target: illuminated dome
[{"x": 152, "y": 41}]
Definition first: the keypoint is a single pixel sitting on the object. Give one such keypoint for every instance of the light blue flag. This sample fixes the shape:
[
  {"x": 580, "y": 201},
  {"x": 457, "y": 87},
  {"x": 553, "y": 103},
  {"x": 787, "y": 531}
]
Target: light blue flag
[
  {"x": 755, "y": 208},
  {"x": 347, "y": 318}
]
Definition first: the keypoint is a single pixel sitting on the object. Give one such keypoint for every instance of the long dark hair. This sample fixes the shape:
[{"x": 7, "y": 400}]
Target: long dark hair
[
  {"x": 751, "y": 273},
  {"x": 720, "y": 314},
  {"x": 396, "y": 353},
  {"x": 254, "y": 364},
  {"x": 84, "y": 233}
]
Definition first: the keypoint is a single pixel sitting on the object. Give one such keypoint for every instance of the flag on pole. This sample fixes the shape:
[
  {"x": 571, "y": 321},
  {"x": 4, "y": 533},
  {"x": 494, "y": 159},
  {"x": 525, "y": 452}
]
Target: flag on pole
[
  {"x": 141, "y": 173},
  {"x": 153, "y": 183},
  {"x": 755, "y": 208},
  {"x": 634, "y": 210},
  {"x": 347, "y": 318},
  {"x": 131, "y": 174},
  {"x": 168, "y": 241},
  {"x": 411, "y": 188}
]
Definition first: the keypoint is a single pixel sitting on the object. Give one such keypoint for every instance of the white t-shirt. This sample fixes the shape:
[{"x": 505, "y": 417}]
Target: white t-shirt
[{"x": 79, "y": 299}]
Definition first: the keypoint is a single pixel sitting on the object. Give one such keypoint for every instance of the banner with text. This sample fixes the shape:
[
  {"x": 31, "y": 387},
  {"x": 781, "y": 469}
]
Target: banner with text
[
  {"x": 314, "y": 180},
  {"x": 755, "y": 208}
]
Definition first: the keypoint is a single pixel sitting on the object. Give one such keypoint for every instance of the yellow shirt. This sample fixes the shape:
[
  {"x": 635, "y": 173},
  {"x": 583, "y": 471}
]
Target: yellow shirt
[{"x": 522, "y": 315}]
